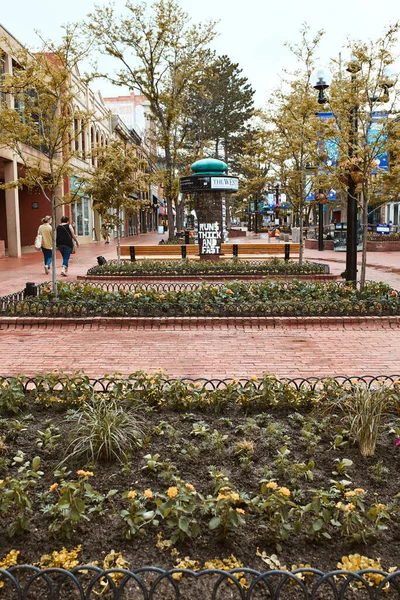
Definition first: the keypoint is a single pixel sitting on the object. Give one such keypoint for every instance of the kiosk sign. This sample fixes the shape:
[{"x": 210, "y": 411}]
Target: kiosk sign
[
  {"x": 225, "y": 183},
  {"x": 210, "y": 238}
]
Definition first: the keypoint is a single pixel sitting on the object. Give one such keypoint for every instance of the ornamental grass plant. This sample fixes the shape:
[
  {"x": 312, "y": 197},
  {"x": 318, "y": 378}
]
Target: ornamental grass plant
[
  {"x": 362, "y": 411},
  {"x": 103, "y": 429}
]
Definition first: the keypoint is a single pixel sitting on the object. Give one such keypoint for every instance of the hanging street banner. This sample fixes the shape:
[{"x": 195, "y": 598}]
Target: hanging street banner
[{"x": 379, "y": 138}]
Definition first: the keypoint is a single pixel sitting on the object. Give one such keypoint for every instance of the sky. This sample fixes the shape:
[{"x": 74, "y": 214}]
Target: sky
[{"x": 251, "y": 33}]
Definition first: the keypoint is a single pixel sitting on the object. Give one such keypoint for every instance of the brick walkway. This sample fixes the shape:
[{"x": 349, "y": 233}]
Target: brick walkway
[
  {"x": 213, "y": 354},
  {"x": 202, "y": 353}
]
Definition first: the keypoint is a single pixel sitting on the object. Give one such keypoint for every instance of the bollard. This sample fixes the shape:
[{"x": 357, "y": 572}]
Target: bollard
[
  {"x": 183, "y": 250},
  {"x": 132, "y": 253},
  {"x": 235, "y": 250},
  {"x": 287, "y": 251},
  {"x": 30, "y": 289},
  {"x": 187, "y": 240}
]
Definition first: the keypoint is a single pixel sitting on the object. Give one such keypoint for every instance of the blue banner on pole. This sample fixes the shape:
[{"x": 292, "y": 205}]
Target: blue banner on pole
[{"x": 378, "y": 138}]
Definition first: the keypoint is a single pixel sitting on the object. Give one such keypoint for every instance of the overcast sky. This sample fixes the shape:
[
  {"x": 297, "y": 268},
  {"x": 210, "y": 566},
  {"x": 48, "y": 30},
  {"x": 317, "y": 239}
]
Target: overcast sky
[{"x": 251, "y": 32}]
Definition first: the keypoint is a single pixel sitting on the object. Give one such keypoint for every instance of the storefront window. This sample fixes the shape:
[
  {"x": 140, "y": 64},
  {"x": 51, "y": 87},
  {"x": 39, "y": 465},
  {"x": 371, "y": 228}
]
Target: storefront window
[{"x": 81, "y": 216}]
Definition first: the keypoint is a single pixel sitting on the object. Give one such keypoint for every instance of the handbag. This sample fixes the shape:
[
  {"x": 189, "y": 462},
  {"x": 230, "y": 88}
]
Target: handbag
[
  {"x": 38, "y": 241},
  {"x": 73, "y": 247}
]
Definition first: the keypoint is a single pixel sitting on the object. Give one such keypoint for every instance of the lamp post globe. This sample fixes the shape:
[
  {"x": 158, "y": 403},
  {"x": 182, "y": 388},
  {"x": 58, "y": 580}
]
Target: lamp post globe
[{"x": 321, "y": 79}]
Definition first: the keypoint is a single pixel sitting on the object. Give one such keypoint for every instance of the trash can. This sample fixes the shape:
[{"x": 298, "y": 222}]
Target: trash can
[{"x": 295, "y": 235}]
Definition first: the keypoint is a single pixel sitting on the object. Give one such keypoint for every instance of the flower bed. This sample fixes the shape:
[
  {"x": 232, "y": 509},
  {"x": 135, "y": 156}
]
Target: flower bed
[
  {"x": 274, "y": 266},
  {"x": 236, "y": 298},
  {"x": 258, "y": 474}
]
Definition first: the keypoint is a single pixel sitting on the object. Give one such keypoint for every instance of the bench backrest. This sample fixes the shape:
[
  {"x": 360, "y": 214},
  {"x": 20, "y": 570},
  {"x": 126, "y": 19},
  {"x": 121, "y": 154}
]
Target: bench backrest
[
  {"x": 261, "y": 248},
  {"x": 160, "y": 250}
]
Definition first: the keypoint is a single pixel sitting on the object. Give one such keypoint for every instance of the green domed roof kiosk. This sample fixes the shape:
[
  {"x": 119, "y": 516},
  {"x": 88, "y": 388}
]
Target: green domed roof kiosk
[{"x": 209, "y": 185}]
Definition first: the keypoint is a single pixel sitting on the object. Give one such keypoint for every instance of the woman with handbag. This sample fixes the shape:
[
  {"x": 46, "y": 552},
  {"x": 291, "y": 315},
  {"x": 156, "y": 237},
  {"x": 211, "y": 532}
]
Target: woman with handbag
[
  {"x": 65, "y": 242},
  {"x": 46, "y": 242}
]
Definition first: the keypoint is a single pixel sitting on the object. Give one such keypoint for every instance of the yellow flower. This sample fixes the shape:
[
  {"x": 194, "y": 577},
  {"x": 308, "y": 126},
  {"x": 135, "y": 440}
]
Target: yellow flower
[
  {"x": 172, "y": 492},
  {"x": 221, "y": 497},
  {"x": 253, "y": 378},
  {"x": 53, "y": 487},
  {"x": 148, "y": 494},
  {"x": 189, "y": 487},
  {"x": 271, "y": 485},
  {"x": 359, "y": 491},
  {"x": 350, "y": 494},
  {"x": 235, "y": 496},
  {"x": 82, "y": 473},
  {"x": 240, "y": 511},
  {"x": 132, "y": 494},
  {"x": 380, "y": 506},
  {"x": 137, "y": 295},
  {"x": 349, "y": 507},
  {"x": 339, "y": 505},
  {"x": 225, "y": 489},
  {"x": 284, "y": 491},
  {"x": 229, "y": 292}
]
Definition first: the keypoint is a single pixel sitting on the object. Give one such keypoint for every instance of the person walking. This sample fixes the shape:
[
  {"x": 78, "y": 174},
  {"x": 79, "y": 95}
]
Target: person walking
[
  {"x": 105, "y": 232},
  {"x": 46, "y": 231},
  {"x": 65, "y": 242}
]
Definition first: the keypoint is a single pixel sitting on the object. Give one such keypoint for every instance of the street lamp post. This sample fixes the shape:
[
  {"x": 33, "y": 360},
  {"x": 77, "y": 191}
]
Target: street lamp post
[
  {"x": 277, "y": 198},
  {"x": 320, "y": 221},
  {"x": 322, "y": 83}
]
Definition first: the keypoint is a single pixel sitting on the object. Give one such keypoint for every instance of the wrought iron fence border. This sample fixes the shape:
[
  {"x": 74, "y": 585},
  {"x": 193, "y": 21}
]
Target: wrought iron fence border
[
  {"x": 307, "y": 580},
  {"x": 105, "y": 384}
]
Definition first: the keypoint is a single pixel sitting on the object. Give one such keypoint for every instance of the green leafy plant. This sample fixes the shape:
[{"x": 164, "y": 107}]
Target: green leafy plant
[
  {"x": 12, "y": 395},
  {"x": 137, "y": 516},
  {"x": 15, "y": 498},
  {"x": 76, "y": 500},
  {"x": 49, "y": 438},
  {"x": 280, "y": 515},
  {"x": 179, "y": 508}
]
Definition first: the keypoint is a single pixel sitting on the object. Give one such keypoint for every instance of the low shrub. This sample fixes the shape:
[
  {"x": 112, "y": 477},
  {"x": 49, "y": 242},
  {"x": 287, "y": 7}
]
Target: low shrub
[
  {"x": 236, "y": 298},
  {"x": 273, "y": 266}
]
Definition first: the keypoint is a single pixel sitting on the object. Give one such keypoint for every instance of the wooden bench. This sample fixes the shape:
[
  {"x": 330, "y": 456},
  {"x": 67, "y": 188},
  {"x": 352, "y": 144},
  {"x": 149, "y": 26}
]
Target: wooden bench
[
  {"x": 177, "y": 252},
  {"x": 245, "y": 251},
  {"x": 162, "y": 252}
]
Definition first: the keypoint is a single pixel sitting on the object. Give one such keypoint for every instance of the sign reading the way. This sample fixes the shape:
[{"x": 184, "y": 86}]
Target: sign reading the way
[{"x": 210, "y": 238}]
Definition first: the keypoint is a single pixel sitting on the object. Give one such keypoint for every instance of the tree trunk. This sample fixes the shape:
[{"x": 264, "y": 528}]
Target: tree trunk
[
  {"x": 118, "y": 237},
  {"x": 228, "y": 213},
  {"x": 180, "y": 211},
  {"x": 301, "y": 235},
  {"x": 168, "y": 190},
  {"x": 54, "y": 247},
  {"x": 364, "y": 225}
]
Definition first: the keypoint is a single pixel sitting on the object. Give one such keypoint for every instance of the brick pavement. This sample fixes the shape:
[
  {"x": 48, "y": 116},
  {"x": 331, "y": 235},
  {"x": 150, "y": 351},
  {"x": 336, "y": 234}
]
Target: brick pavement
[
  {"x": 204, "y": 353},
  {"x": 200, "y": 353}
]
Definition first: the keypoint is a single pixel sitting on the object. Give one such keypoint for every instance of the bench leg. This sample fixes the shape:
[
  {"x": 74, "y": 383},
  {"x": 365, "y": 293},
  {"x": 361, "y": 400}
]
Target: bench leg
[{"x": 287, "y": 251}]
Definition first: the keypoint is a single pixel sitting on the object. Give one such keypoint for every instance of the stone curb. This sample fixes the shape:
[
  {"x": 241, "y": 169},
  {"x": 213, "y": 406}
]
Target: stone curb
[{"x": 186, "y": 323}]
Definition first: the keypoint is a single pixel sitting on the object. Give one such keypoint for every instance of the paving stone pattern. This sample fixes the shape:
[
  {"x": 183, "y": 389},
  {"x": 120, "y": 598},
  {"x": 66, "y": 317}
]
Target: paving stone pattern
[{"x": 203, "y": 353}]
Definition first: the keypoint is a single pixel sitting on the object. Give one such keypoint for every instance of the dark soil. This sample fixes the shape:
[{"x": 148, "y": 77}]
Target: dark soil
[{"x": 190, "y": 457}]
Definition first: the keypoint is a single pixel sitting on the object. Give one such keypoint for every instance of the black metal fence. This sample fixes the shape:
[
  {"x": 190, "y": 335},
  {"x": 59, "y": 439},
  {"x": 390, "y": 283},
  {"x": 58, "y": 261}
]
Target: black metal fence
[
  {"x": 103, "y": 384},
  {"x": 151, "y": 583}
]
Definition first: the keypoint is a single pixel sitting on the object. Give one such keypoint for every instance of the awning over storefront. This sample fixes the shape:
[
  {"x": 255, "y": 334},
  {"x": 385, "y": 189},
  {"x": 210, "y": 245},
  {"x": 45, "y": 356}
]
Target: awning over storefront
[{"x": 157, "y": 200}]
